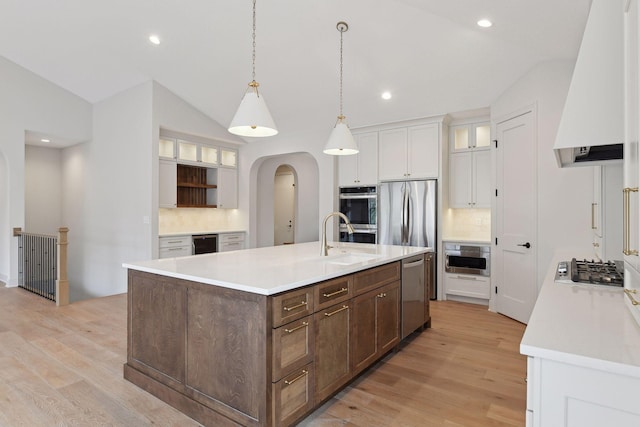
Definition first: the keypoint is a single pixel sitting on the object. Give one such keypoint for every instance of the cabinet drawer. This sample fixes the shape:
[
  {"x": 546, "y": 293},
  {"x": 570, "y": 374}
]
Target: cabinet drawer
[
  {"x": 293, "y": 396},
  {"x": 292, "y": 346},
  {"x": 175, "y": 252},
  {"x": 292, "y": 306},
  {"x": 170, "y": 242},
  {"x": 375, "y": 277},
  {"x": 231, "y": 237},
  {"x": 468, "y": 286},
  {"x": 333, "y": 291},
  {"x": 230, "y": 246}
]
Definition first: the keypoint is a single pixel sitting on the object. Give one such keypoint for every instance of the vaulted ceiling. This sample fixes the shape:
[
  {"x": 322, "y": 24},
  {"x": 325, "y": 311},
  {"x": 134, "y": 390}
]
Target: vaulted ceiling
[{"x": 429, "y": 54}]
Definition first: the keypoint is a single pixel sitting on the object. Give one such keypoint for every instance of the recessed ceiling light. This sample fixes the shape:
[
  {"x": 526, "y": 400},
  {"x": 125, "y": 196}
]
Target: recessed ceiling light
[
  {"x": 484, "y": 23},
  {"x": 154, "y": 39},
  {"x": 45, "y": 140},
  {"x": 386, "y": 95}
]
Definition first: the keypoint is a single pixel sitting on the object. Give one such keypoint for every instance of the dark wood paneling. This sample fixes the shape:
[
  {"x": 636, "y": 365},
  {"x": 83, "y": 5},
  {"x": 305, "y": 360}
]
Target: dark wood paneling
[
  {"x": 157, "y": 325},
  {"x": 227, "y": 357},
  {"x": 292, "y": 347},
  {"x": 375, "y": 277},
  {"x": 332, "y": 352},
  {"x": 333, "y": 291},
  {"x": 292, "y": 305}
]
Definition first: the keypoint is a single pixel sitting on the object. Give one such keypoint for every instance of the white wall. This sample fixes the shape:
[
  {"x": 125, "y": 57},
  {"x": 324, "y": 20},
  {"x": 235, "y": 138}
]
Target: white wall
[
  {"x": 43, "y": 190},
  {"x": 307, "y": 203},
  {"x": 564, "y": 194},
  {"x": 28, "y": 102}
]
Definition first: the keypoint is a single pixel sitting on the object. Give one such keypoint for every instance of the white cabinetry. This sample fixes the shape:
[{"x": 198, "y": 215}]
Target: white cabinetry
[
  {"x": 167, "y": 172},
  {"x": 197, "y": 154},
  {"x": 470, "y": 166},
  {"x": 562, "y": 394},
  {"x": 631, "y": 169},
  {"x": 409, "y": 152},
  {"x": 227, "y": 191},
  {"x": 175, "y": 246},
  {"x": 362, "y": 168},
  {"x": 230, "y": 242},
  {"x": 467, "y": 285},
  {"x": 167, "y": 148}
]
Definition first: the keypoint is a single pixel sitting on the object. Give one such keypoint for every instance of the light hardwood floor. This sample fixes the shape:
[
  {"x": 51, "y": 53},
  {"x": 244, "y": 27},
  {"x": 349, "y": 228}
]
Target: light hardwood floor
[{"x": 62, "y": 366}]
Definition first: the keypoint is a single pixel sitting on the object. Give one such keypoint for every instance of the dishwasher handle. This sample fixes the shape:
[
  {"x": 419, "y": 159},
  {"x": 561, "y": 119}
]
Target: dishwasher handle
[{"x": 413, "y": 263}]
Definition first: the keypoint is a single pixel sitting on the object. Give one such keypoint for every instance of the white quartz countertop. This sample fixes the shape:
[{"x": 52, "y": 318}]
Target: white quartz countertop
[
  {"x": 196, "y": 232},
  {"x": 582, "y": 324},
  {"x": 272, "y": 270}
]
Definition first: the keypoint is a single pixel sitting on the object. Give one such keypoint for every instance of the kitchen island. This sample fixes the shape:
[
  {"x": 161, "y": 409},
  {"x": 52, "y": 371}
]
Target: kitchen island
[
  {"x": 583, "y": 364},
  {"x": 261, "y": 337}
]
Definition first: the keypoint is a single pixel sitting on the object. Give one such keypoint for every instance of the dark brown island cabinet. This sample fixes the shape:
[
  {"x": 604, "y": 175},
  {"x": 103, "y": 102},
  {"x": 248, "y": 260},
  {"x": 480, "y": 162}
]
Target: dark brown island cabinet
[{"x": 230, "y": 358}]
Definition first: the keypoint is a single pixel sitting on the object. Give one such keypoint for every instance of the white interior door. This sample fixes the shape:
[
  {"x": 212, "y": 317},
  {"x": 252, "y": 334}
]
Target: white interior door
[
  {"x": 515, "y": 264},
  {"x": 283, "y": 206}
]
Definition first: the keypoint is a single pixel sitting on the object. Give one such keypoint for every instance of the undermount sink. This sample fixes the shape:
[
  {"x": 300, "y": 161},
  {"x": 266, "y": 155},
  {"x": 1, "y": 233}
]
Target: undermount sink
[{"x": 350, "y": 258}]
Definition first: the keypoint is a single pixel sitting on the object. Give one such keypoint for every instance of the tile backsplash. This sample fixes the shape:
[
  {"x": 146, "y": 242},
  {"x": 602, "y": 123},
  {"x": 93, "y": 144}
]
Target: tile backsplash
[
  {"x": 195, "y": 220},
  {"x": 467, "y": 224}
]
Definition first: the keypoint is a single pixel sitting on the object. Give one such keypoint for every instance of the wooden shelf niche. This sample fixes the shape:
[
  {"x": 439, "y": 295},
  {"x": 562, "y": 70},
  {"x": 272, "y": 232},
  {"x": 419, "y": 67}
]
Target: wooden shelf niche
[{"x": 196, "y": 187}]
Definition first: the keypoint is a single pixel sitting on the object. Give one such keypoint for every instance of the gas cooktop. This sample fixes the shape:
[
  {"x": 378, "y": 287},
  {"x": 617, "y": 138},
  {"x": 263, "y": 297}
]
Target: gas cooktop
[{"x": 608, "y": 273}]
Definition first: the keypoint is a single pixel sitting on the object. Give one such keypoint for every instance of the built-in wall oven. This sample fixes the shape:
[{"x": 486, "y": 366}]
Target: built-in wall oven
[
  {"x": 467, "y": 259},
  {"x": 359, "y": 204}
]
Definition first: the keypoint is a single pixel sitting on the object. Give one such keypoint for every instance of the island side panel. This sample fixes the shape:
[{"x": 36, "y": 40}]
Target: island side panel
[
  {"x": 203, "y": 349},
  {"x": 227, "y": 354},
  {"x": 157, "y": 327}
]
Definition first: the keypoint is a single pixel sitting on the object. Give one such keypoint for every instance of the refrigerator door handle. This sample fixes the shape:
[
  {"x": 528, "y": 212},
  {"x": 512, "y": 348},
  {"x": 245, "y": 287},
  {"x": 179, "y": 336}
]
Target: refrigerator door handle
[{"x": 405, "y": 215}]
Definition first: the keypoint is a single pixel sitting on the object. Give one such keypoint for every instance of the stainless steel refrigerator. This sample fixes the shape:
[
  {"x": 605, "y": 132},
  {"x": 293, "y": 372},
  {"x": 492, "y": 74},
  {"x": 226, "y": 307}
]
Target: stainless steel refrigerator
[
  {"x": 407, "y": 213},
  {"x": 407, "y": 217}
]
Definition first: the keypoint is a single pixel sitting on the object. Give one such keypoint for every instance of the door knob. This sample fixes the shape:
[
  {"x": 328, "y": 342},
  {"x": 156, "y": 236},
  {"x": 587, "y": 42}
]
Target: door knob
[{"x": 526, "y": 245}]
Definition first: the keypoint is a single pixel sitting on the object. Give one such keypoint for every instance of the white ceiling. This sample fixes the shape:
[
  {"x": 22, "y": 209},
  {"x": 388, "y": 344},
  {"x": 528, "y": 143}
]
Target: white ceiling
[{"x": 429, "y": 53}]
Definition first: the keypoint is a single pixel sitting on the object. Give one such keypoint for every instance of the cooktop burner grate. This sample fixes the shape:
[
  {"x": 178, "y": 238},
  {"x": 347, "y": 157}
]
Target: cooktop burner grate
[{"x": 598, "y": 272}]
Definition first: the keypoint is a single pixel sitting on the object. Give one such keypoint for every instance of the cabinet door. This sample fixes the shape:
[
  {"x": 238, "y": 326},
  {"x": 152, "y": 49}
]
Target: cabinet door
[
  {"x": 167, "y": 184},
  {"x": 188, "y": 152},
  {"x": 367, "y": 158},
  {"x": 348, "y": 170},
  {"x": 167, "y": 148},
  {"x": 208, "y": 155},
  {"x": 388, "y": 317},
  {"x": 460, "y": 176},
  {"x": 332, "y": 349},
  {"x": 229, "y": 157},
  {"x": 392, "y": 152},
  {"x": 481, "y": 179},
  {"x": 227, "y": 188},
  {"x": 423, "y": 151},
  {"x": 364, "y": 345}
]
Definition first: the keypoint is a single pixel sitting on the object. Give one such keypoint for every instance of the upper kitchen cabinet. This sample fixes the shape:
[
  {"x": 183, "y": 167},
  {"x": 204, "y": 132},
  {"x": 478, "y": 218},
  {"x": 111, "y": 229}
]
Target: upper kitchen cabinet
[
  {"x": 470, "y": 166},
  {"x": 409, "y": 152},
  {"x": 197, "y": 154},
  {"x": 167, "y": 148},
  {"x": 362, "y": 168},
  {"x": 228, "y": 157}
]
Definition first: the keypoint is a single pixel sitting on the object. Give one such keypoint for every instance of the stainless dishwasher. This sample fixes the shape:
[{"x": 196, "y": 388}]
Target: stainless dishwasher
[{"x": 413, "y": 292}]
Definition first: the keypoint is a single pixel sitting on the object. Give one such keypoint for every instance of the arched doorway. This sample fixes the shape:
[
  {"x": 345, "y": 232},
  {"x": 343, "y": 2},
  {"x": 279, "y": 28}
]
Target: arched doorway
[{"x": 284, "y": 205}]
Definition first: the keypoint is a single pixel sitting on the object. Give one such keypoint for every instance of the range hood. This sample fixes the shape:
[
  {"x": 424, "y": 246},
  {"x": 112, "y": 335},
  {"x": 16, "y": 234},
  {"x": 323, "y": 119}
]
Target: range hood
[{"x": 592, "y": 125}]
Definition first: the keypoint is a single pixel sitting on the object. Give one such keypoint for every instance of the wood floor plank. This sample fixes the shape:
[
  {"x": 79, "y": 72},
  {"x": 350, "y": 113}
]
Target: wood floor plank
[{"x": 63, "y": 366}]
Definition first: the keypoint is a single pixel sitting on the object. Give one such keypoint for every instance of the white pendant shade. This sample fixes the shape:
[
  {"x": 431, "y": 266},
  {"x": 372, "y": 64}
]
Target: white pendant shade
[
  {"x": 253, "y": 117},
  {"x": 341, "y": 142}
]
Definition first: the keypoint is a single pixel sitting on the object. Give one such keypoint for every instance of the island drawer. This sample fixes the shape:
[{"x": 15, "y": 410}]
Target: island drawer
[
  {"x": 333, "y": 291},
  {"x": 293, "y": 396},
  {"x": 292, "y": 347},
  {"x": 376, "y": 277},
  {"x": 292, "y": 305}
]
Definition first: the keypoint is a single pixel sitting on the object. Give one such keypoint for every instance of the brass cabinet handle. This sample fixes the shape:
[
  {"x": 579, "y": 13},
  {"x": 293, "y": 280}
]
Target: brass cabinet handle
[
  {"x": 382, "y": 295},
  {"x": 629, "y": 293},
  {"x": 302, "y": 304},
  {"x": 344, "y": 307},
  {"x": 626, "y": 217},
  {"x": 593, "y": 216},
  {"x": 304, "y": 325},
  {"x": 302, "y": 375},
  {"x": 335, "y": 293}
]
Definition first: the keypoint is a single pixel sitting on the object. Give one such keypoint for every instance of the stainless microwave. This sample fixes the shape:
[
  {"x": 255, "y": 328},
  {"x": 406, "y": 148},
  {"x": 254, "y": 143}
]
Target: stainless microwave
[{"x": 467, "y": 259}]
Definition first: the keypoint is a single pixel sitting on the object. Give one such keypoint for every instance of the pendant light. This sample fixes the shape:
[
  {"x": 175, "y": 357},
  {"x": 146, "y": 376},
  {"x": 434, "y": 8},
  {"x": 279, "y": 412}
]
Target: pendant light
[
  {"x": 341, "y": 142},
  {"x": 253, "y": 117}
]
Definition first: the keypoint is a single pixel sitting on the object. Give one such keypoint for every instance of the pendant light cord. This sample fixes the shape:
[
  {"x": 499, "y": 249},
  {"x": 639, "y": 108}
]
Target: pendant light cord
[
  {"x": 253, "y": 56},
  {"x": 341, "y": 32}
]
